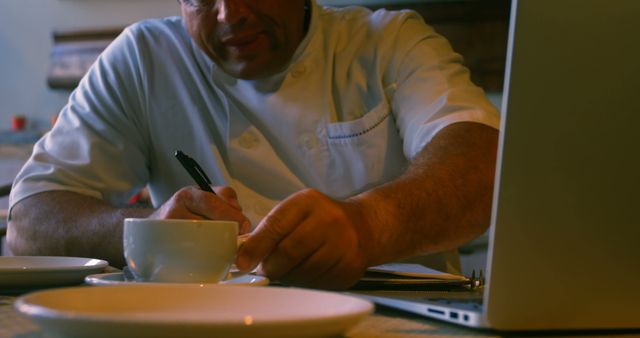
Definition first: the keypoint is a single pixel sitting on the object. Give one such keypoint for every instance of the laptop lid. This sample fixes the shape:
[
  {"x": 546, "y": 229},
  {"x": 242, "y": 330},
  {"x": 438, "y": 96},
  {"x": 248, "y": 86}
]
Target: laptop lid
[{"x": 564, "y": 248}]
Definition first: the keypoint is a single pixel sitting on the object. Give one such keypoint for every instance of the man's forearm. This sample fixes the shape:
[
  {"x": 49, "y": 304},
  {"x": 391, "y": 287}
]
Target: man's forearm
[
  {"x": 442, "y": 201},
  {"x": 68, "y": 224}
]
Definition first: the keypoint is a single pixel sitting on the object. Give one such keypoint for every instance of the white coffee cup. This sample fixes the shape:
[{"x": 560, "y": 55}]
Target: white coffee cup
[{"x": 179, "y": 251}]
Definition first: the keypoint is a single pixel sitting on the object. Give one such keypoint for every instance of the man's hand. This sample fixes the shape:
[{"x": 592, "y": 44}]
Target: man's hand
[
  {"x": 194, "y": 203},
  {"x": 308, "y": 239}
]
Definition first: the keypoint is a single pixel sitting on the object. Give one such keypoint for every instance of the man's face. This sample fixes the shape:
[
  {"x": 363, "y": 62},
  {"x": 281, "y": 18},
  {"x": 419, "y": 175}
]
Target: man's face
[{"x": 248, "y": 39}]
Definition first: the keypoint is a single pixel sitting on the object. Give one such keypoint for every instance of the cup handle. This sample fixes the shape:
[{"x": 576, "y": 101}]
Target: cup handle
[
  {"x": 242, "y": 238},
  {"x": 235, "y": 273}
]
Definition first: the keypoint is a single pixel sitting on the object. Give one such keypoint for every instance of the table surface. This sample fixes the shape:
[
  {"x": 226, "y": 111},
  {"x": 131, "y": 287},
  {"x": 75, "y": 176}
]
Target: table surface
[{"x": 384, "y": 323}]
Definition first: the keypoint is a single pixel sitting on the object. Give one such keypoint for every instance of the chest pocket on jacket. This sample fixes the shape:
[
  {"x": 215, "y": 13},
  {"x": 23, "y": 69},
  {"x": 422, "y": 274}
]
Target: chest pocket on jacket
[{"x": 363, "y": 153}]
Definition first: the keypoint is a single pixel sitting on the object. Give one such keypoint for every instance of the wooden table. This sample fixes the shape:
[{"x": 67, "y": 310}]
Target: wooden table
[{"x": 384, "y": 323}]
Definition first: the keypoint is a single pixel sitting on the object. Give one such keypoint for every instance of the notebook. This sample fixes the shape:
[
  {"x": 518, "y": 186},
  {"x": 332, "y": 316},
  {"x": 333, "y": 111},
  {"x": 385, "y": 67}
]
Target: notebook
[{"x": 564, "y": 243}]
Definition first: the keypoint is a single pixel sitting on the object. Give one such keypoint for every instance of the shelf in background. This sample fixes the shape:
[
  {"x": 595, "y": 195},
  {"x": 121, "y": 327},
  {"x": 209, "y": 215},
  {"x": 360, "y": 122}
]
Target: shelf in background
[{"x": 74, "y": 52}]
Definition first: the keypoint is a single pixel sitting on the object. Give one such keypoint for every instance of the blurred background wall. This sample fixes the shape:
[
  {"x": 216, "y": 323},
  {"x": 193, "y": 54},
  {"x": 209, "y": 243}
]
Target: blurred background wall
[{"x": 26, "y": 28}]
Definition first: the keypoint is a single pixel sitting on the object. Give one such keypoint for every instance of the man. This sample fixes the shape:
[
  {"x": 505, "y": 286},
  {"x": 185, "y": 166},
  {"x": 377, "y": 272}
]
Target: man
[{"x": 345, "y": 138}]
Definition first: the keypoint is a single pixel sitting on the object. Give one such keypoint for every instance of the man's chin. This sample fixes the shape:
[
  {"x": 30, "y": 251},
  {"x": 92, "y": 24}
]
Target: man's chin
[{"x": 246, "y": 71}]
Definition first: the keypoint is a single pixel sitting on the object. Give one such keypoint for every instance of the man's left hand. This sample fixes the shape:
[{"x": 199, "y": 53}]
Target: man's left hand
[{"x": 309, "y": 239}]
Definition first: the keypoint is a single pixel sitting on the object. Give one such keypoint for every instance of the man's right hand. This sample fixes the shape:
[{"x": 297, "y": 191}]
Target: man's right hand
[{"x": 194, "y": 203}]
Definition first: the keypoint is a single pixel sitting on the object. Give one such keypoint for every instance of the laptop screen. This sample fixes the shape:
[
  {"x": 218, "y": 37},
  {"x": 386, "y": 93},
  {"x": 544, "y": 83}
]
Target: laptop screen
[{"x": 565, "y": 223}]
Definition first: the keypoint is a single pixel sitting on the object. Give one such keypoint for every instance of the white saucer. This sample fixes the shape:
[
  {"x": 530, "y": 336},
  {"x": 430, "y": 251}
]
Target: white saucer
[
  {"x": 31, "y": 272},
  {"x": 188, "y": 310},
  {"x": 118, "y": 278}
]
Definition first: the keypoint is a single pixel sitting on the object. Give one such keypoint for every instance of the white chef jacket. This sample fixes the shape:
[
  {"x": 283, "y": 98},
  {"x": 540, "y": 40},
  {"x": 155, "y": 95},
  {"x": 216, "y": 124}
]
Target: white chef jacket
[{"x": 364, "y": 92}]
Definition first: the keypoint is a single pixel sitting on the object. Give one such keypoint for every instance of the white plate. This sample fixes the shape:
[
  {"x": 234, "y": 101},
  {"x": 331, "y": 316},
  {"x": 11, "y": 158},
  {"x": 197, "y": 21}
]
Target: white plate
[
  {"x": 135, "y": 310},
  {"x": 30, "y": 272},
  {"x": 117, "y": 278}
]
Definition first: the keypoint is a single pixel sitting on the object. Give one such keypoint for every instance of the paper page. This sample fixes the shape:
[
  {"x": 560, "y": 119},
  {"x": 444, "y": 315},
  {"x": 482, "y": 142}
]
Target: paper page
[{"x": 414, "y": 270}]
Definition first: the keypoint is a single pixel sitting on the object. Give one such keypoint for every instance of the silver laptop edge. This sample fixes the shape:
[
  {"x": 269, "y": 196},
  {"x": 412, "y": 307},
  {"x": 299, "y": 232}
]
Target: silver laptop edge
[
  {"x": 565, "y": 224},
  {"x": 565, "y": 221},
  {"x": 483, "y": 321}
]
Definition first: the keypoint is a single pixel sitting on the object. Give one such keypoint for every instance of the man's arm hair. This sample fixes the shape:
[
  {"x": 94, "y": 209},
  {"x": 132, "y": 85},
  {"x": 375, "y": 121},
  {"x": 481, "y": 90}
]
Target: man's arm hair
[
  {"x": 63, "y": 223},
  {"x": 442, "y": 201}
]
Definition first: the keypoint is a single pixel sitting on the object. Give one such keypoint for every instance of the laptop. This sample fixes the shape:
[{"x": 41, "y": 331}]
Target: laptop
[{"x": 564, "y": 242}]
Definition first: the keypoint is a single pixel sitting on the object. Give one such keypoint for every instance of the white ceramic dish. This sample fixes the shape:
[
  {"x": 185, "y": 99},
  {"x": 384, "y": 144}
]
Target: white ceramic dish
[
  {"x": 134, "y": 310},
  {"x": 118, "y": 278},
  {"x": 31, "y": 272}
]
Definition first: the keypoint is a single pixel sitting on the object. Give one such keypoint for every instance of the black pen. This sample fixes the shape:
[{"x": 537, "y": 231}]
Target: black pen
[{"x": 195, "y": 171}]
